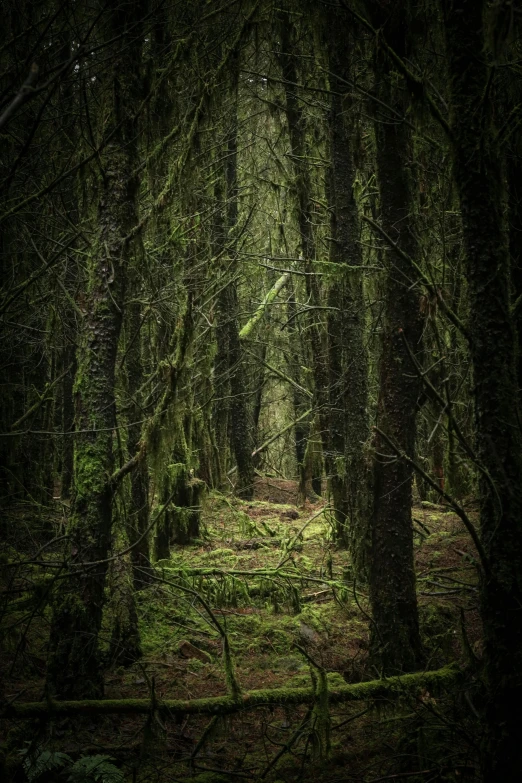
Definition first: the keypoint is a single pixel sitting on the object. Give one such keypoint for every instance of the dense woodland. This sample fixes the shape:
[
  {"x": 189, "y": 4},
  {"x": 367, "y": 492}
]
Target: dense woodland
[{"x": 260, "y": 435}]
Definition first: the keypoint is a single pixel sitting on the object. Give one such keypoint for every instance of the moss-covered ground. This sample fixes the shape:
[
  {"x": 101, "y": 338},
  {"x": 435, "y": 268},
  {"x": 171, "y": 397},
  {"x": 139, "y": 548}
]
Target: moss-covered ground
[{"x": 266, "y": 574}]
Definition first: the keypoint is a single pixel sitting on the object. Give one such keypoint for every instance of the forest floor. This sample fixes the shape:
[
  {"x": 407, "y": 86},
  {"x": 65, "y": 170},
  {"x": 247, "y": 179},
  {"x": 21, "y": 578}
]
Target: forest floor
[{"x": 310, "y": 607}]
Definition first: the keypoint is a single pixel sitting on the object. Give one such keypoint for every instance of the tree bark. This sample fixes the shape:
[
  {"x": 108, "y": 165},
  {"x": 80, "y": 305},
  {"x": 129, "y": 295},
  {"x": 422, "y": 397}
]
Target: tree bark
[
  {"x": 74, "y": 666},
  {"x": 347, "y": 355},
  {"x": 480, "y": 181},
  {"x": 296, "y": 121},
  {"x": 138, "y": 519},
  {"x": 229, "y": 345},
  {"x": 395, "y": 640}
]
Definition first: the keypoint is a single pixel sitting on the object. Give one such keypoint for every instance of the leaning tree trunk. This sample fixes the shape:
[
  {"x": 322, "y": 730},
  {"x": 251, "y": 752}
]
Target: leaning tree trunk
[
  {"x": 74, "y": 668},
  {"x": 481, "y": 184},
  {"x": 395, "y": 643}
]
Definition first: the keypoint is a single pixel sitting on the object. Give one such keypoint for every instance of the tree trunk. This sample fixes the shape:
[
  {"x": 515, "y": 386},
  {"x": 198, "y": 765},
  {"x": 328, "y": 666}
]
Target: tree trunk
[
  {"x": 515, "y": 243},
  {"x": 138, "y": 519},
  {"x": 481, "y": 184},
  {"x": 296, "y": 120},
  {"x": 300, "y": 402},
  {"x": 347, "y": 356},
  {"x": 74, "y": 667},
  {"x": 229, "y": 345},
  {"x": 69, "y": 360},
  {"x": 395, "y": 642}
]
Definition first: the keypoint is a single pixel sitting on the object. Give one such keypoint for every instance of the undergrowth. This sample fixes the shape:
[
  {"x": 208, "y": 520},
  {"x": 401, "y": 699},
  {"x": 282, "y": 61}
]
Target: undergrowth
[{"x": 266, "y": 582}]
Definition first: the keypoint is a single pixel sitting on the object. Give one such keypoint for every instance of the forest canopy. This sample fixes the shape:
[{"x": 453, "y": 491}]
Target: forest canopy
[{"x": 260, "y": 434}]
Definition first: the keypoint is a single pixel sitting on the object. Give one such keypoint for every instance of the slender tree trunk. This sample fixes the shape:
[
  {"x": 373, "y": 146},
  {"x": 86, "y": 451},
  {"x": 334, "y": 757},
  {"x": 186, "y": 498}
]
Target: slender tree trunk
[
  {"x": 138, "y": 519},
  {"x": 69, "y": 360},
  {"x": 221, "y": 406},
  {"x": 229, "y": 344},
  {"x": 395, "y": 642},
  {"x": 296, "y": 121},
  {"x": 259, "y": 386},
  {"x": 347, "y": 355},
  {"x": 300, "y": 402},
  {"x": 515, "y": 244},
  {"x": 481, "y": 184},
  {"x": 74, "y": 667}
]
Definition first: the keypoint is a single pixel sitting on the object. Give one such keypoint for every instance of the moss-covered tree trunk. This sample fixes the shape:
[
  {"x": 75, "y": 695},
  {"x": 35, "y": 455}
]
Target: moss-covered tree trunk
[
  {"x": 347, "y": 355},
  {"x": 74, "y": 666},
  {"x": 395, "y": 641},
  {"x": 300, "y": 401},
  {"x": 221, "y": 379},
  {"x": 138, "y": 515},
  {"x": 480, "y": 180},
  {"x": 69, "y": 361},
  {"x": 229, "y": 344},
  {"x": 303, "y": 193}
]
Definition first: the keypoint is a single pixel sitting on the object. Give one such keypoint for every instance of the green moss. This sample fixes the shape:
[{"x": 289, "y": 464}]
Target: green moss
[
  {"x": 302, "y": 680},
  {"x": 437, "y": 626},
  {"x": 219, "y": 555},
  {"x": 291, "y": 663},
  {"x": 393, "y": 688},
  {"x": 196, "y": 666},
  {"x": 340, "y": 466},
  {"x": 89, "y": 469}
]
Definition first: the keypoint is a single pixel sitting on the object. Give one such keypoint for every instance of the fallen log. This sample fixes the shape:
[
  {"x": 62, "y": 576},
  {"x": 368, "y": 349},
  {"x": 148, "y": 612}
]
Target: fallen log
[{"x": 392, "y": 689}]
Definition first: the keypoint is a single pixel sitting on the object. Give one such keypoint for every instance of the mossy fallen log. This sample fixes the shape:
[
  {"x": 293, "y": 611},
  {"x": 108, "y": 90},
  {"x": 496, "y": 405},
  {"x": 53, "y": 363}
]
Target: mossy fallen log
[{"x": 388, "y": 690}]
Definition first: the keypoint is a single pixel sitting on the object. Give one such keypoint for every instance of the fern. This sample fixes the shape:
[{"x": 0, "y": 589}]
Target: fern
[
  {"x": 44, "y": 762},
  {"x": 95, "y": 769}
]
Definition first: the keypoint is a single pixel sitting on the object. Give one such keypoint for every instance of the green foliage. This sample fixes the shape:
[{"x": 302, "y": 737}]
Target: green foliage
[
  {"x": 302, "y": 680},
  {"x": 46, "y": 761},
  {"x": 97, "y": 769},
  {"x": 438, "y": 629},
  {"x": 87, "y": 769}
]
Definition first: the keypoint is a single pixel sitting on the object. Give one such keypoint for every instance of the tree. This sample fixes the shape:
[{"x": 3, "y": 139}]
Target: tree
[
  {"x": 347, "y": 354},
  {"x": 228, "y": 224},
  {"x": 480, "y": 179},
  {"x": 74, "y": 668},
  {"x": 395, "y": 628},
  {"x": 297, "y": 122}
]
